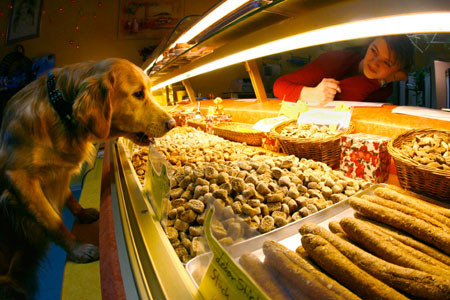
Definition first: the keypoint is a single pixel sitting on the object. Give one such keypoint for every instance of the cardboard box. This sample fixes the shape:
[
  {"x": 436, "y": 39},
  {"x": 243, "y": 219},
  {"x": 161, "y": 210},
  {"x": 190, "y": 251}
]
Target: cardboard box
[
  {"x": 365, "y": 156},
  {"x": 270, "y": 143}
]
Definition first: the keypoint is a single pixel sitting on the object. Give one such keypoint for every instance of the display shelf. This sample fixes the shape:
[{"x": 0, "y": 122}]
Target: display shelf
[
  {"x": 295, "y": 17},
  {"x": 264, "y": 13},
  {"x": 149, "y": 266}
]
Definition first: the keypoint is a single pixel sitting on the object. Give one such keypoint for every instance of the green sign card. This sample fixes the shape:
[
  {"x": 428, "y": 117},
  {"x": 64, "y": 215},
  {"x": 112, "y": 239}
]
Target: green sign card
[
  {"x": 156, "y": 182},
  {"x": 224, "y": 280}
]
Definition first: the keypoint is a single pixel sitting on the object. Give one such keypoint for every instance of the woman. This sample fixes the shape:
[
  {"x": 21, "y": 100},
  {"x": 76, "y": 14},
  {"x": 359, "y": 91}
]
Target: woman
[{"x": 346, "y": 75}]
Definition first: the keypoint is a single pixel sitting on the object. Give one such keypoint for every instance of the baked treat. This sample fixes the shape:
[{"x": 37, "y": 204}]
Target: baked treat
[
  {"x": 416, "y": 227},
  {"x": 301, "y": 277},
  {"x": 340, "y": 267},
  {"x": 427, "y": 207},
  {"x": 407, "y": 240},
  {"x": 412, "y": 282},
  {"x": 434, "y": 219},
  {"x": 262, "y": 276},
  {"x": 389, "y": 249}
]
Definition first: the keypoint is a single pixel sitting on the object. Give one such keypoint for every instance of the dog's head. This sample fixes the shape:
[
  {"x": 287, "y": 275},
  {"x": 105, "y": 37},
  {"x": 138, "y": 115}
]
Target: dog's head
[{"x": 116, "y": 101}]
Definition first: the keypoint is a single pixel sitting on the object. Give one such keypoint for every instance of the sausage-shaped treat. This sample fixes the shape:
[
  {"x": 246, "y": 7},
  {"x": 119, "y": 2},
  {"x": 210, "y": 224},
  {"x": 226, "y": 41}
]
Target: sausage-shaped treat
[
  {"x": 335, "y": 227},
  {"x": 262, "y": 276},
  {"x": 416, "y": 227},
  {"x": 389, "y": 249},
  {"x": 435, "y": 221},
  {"x": 407, "y": 239},
  {"x": 436, "y": 203},
  {"x": 412, "y": 282},
  {"x": 340, "y": 267},
  {"x": 422, "y": 205},
  {"x": 303, "y": 254},
  {"x": 302, "y": 276}
]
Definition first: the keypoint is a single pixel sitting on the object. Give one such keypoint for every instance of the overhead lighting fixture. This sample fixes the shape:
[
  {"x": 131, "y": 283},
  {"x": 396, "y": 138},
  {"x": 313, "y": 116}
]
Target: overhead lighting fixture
[
  {"x": 399, "y": 24},
  {"x": 215, "y": 15}
]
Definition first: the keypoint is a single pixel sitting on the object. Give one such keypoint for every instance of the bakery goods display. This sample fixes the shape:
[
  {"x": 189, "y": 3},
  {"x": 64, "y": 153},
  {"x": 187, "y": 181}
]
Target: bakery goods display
[
  {"x": 388, "y": 249},
  {"x": 266, "y": 190}
]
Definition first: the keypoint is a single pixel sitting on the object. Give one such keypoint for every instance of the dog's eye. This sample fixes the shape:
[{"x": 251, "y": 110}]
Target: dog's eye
[{"x": 139, "y": 95}]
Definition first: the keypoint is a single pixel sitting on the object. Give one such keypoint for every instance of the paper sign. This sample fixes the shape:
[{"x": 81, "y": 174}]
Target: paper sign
[
  {"x": 292, "y": 110},
  {"x": 224, "y": 280},
  {"x": 130, "y": 148},
  {"x": 156, "y": 182}
]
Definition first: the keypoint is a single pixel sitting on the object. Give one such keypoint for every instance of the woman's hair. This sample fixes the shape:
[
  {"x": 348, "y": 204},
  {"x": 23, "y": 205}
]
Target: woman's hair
[{"x": 402, "y": 49}]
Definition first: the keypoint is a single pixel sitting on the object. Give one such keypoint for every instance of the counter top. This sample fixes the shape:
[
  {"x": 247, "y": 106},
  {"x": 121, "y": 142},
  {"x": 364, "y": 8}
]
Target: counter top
[{"x": 373, "y": 120}]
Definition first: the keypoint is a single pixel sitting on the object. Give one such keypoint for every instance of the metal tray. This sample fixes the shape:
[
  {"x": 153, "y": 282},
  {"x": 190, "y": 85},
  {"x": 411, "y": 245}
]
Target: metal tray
[{"x": 287, "y": 235}]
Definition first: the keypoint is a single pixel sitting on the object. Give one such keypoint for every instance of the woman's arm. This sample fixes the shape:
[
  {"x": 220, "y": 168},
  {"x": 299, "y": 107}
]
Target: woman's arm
[{"x": 331, "y": 65}]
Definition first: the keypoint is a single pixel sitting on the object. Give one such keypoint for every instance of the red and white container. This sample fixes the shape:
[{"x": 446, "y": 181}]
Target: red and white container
[{"x": 365, "y": 156}]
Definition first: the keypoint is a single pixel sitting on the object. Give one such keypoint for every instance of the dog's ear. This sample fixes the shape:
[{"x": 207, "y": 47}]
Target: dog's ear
[{"x": 93, "y": 107}]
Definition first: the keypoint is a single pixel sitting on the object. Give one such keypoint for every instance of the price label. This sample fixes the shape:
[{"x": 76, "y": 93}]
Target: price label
[
  {"x": 156, "y": 182},
  {"x": 292, "y": 110},
  {"x": 224, "y": 280}
]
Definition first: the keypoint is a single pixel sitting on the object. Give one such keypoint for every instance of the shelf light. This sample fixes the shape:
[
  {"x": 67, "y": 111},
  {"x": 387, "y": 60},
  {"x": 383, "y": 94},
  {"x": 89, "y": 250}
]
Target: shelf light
[
  {"x": 215, "y": 15},
  {"x": 399, "y": 24}
]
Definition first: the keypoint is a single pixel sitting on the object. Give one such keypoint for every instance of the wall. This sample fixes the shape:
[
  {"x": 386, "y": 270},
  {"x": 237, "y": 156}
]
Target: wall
[{"x": 97, "y": 37}]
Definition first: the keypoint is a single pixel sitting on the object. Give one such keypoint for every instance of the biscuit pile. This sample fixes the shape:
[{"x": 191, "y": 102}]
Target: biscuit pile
[
  {"x": 432, "y": 150},
  {"x": 395, "y": 247},
  {"x": 264, "y": 190},
  {"x": 309, "y": 131}
]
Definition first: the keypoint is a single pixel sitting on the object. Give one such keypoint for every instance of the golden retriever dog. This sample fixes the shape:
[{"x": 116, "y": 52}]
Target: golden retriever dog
[{"x": 39, "y": 152}]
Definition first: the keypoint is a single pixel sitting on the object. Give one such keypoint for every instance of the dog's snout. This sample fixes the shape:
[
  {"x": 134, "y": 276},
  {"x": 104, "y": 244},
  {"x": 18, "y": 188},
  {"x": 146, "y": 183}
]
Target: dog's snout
[{"x": 170, "y": 124}]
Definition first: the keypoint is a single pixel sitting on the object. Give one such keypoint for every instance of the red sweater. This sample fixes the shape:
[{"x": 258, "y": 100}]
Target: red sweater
[{"x": 340, "y": 65}]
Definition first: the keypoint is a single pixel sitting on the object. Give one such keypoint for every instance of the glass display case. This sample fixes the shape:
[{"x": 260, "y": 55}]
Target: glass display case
[{"x": 150, "y": 268}]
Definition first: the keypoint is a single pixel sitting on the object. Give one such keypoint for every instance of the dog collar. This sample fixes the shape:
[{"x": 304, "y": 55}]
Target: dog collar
[{"x": 62, "y": 107}]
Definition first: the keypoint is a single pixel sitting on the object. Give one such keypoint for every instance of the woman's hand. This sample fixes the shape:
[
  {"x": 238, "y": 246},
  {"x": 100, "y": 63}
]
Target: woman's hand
[{"x": 323, "y": 93}]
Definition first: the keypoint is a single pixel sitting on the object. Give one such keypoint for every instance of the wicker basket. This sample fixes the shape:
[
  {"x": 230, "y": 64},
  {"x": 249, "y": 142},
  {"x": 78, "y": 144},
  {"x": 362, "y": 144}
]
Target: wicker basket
[
  {"x": 422, "y": 179},
  {"x": 197, "y": 123},
  {"x": 238, "y": 132},
  {"x": 326, "y": 150}
]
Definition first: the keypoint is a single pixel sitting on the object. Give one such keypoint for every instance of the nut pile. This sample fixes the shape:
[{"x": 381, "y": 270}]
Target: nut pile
[
  {"x": 432, "y": 150},
  {"x": 309, "y": 131},
  {"x": 266, "y": 192}
]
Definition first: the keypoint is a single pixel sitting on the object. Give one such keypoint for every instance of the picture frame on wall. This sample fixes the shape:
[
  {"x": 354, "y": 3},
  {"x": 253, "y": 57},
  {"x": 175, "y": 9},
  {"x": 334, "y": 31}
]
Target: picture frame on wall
[
  {"x": 148, "y": 19},
  {"x": 24, "y": 20}
]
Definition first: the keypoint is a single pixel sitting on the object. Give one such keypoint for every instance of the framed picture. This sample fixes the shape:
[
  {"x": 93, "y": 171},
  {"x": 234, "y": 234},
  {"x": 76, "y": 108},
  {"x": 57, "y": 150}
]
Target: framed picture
[
  {"x": 148, "y": 19},
  {"x": 24, "y": 21}
]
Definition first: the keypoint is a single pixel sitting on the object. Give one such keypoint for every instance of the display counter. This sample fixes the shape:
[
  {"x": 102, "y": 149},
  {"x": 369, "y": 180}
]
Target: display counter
[{"x": 145, "y": 265}]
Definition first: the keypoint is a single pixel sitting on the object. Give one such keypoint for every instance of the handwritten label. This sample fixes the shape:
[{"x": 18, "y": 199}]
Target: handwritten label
[
  {"x": 224, "y": 280},
  {"x": 156, "y": 182},
  {"x": 292, "y": 110}
]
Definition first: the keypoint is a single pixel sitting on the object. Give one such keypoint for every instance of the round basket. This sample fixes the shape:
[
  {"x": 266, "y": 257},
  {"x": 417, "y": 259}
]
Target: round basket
[
  {"x": 412, "y": 175},
  {"x": 326, "y": 150},
  {"x": 197, "y": 123},
  {"x": 238, "y": 132}
]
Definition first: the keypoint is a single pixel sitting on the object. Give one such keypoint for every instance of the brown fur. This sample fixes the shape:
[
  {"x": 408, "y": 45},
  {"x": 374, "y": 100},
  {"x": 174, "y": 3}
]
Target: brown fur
[{"x": 39, "y": 154}]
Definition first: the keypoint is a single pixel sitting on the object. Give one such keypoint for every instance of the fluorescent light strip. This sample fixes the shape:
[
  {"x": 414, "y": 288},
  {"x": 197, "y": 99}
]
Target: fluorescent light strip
[
  {"x": 411, "y": 23},
  {"x": 215, "y": 15}
]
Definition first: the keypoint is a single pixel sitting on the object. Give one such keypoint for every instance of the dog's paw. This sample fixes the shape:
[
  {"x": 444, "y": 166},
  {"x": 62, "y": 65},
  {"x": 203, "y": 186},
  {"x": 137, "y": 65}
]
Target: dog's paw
[
  {"x": 88, "y": 215},
  {"x": 83, "y": 253}
]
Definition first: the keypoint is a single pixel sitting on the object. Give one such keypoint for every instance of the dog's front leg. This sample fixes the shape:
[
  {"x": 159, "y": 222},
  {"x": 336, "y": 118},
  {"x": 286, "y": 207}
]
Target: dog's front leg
[
  {"x": 29, "y": 192},
  {"x": 84, "y": 215}
]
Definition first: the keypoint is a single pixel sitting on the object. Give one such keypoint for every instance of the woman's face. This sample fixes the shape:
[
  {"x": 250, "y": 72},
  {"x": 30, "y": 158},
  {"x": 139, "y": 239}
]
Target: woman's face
[{"x": 379, "y": 60}]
